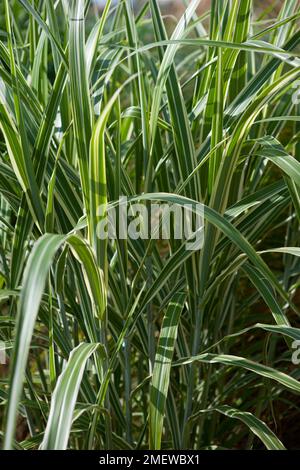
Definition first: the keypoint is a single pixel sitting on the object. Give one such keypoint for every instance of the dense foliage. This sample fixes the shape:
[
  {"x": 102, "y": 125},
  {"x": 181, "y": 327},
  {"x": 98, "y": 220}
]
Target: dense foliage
[{"x": 142, "y": 343}]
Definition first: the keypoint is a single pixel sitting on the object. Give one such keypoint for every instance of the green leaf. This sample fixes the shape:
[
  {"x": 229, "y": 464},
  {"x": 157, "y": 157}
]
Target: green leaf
[
  {"x": 162, "y": 368},
  {"x": 237, "y": 361},
  {"x": 64, "y": 398},
  {"x": 257, "y": 426}
]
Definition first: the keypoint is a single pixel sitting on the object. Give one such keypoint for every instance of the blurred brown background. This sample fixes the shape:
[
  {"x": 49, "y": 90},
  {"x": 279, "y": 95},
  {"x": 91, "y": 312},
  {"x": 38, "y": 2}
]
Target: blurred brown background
[{"x": 177, "y": 6}]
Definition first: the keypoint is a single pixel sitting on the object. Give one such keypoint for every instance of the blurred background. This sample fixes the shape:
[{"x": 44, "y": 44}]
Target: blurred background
[{"x": 175, "y": 6}]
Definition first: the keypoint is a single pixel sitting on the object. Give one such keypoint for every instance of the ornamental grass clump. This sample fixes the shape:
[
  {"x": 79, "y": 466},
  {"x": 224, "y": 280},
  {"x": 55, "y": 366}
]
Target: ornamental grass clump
[{"x": 145, "y": 340}]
